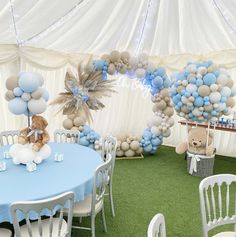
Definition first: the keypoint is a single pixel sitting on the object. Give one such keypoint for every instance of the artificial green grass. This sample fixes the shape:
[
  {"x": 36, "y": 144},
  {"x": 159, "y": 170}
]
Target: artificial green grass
[{"x": 158, "y": 183}]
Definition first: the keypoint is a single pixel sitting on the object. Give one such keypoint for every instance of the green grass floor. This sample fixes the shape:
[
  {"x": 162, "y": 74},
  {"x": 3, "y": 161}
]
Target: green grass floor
[{"x": 158, "y": 183}]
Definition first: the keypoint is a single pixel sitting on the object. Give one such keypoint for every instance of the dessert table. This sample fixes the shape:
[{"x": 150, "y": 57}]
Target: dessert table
[{"x": 75, "y": 173}]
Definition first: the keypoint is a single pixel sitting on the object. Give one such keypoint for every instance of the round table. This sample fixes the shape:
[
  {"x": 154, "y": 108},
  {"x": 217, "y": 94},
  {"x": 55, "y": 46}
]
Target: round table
[{"x": 75, "y": 173}]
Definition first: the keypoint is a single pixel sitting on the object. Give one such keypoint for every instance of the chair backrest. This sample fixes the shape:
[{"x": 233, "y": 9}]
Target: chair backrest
[
  {"x": 66, "y": 136},
  {"x": 51, "y": 204},
  {"x": 109, "y": 145},
  {"x": 217, "y": 201},
  {"x": 157, "y": 226},
  {"x": 9, "y": 137},
  {"x": 100, "y": 181}
]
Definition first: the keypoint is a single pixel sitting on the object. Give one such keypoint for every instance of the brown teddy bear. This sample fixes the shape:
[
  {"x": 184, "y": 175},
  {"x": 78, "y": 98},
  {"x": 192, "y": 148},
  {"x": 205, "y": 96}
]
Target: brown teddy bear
[
  {"x": 36, "y": 134},
  {"x": 197, "y": 142}
]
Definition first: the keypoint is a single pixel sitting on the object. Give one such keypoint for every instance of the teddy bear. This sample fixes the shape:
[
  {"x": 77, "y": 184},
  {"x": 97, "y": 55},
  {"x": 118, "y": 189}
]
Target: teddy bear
[
  {"x": 197, "y": 142},
  {"x": 36, "y": 134}
]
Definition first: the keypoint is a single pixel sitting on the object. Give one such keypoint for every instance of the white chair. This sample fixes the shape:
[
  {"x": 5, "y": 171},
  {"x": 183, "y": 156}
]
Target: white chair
[
  {"x": 215, "y": 203},
  {"x": 109, "y": 145},
  {"x": 93, "y": 204},
  {"x": 9, "y": 137},
  {"x": 157, "y": 226},
  {"x": 5, "y": 233},
  {"x": 49, "y": 227},
  {"x": 66, "y": 136}
]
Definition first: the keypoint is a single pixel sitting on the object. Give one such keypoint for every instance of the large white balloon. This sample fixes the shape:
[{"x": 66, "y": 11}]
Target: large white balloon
[{"x": 37, "y": 106}]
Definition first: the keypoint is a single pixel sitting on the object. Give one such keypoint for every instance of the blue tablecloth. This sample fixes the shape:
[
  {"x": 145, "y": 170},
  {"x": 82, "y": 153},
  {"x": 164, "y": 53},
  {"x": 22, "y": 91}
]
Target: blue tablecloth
[{"x": 51, "y": 178}]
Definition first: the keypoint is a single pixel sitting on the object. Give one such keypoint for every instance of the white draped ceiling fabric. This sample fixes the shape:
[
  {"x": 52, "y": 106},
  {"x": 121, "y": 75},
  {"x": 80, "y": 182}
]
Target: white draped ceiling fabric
[{"x": 50, "y": 36}]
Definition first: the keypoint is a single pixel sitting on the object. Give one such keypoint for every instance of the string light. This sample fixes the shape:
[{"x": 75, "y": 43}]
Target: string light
[
  {"x": 226, "y": 16},
  {"x": 54, "y": 25},
  {"x": 145, "y": 25},
  {"x": 13, "y": 25}
]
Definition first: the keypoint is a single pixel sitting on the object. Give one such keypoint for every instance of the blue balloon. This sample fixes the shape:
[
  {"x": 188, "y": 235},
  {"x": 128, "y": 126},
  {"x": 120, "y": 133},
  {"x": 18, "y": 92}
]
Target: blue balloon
[
  {"x": 86, "y": 130},
  {"x": 17, "y": 91},
  {"x": 205, "y": 114},
  {"x": 198, "y": 102},
  {"x": 214, "y": 113},
  {"x": 148, "y": 148},
  {"x": 209, "y": 79},
  {"x": 99, "y": 64},
  {"x": 195, "y": 94},
  {"x": 91, "y": 146},
  {"x": 187, "y": 94},
  {"x": 160, "y": 71},
  {"x": 199, "y": 82},
  {"x": 147, "y": 135},
  {"x": 17, "y": 106},
  {"x": 29, "y": 82},
  {"x": 223, "y": 99},
  {"x": 83, "y": 141},
  {"x": 206, "y": 98},
  {"x": 192, "y": 80},
  {"x": 156, "y": 142},
  {"x": 157, "y": 82},
  {"x": 167, "y": 82}
]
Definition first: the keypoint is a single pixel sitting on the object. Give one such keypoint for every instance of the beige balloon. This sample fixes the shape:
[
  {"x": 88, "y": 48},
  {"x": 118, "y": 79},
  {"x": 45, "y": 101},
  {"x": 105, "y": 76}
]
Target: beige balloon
[
  {"x": 68, "y": 124},
  {"x": 9, "y": 95},
  {"x": 204, "y": 90},
  {"x": 11, "y": 82},
  {"x": 129, "y": 153},
  {"x": 134, "y": 145},
  {"x": 79, "y": 121},
  {"x": 230, "y": 102},
  {"x": 115, "y": 56},
  {"x": 124, "y": 146}
]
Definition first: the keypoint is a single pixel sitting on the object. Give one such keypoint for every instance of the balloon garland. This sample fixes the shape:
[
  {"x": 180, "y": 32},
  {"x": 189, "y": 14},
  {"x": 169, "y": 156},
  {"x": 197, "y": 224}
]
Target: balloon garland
[
  {"x": 154, "y": 78},
  {"x": 202, "y": 91}
]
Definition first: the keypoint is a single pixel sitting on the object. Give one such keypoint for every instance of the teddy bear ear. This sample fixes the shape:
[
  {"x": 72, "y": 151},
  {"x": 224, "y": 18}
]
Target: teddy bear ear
[{"x": 45, "y": 122}]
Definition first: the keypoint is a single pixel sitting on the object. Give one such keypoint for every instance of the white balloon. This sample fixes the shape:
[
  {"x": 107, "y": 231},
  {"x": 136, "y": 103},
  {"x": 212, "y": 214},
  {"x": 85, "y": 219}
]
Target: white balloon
[
  {"x": 222, "y": 79},
  {"x": 37, "y": 106},
  {"x": 214, "y": 87},
  {"x": 156, "y": 131},
  {"x": 140, "y": 72},
  {"x": 44, "y": 152},
  {"x": 215, "y": 97},
  {"x": 24, "y": 156},
  {"x": 191, "y": 88},
  {"x": 14, "y": 149},
  {"x": 226, "y": 91},
  {"x": 233, "y": 91}
]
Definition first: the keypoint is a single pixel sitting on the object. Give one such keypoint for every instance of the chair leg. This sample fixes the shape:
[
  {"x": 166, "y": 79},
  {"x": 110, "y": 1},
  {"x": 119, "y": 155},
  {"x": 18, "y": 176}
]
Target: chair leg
[
  {"x": 104, "y": 219},
  {"x": 111, "y": 200},
  {"x": 93, "y": 225}
]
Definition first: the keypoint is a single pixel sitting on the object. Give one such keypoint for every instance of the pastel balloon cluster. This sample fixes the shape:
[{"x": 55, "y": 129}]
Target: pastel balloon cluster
[
  {"x": 74, "y": 122},
  {"x": 128, "y": 146},
  {"x": 25, "y": 94},
  {"x": 203, "y": 91},
  {"x": 157, "y": 80},
  {"x": 88, "y": 137},
  {"x": 150, "y": 142}
]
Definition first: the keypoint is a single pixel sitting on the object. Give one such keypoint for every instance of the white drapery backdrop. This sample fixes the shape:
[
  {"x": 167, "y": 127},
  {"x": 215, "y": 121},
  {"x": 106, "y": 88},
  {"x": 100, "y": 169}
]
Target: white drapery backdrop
[{"x": 126, "y": 112}]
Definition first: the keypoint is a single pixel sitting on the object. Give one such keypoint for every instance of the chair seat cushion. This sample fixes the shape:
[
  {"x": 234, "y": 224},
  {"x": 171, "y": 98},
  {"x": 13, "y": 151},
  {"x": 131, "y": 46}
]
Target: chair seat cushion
[
  {"x": 5, "y": 233},
  {"x": 45, "y": 226},
  {"x": 83, "y": 208},
  {"x": 225, "y": 234}
]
